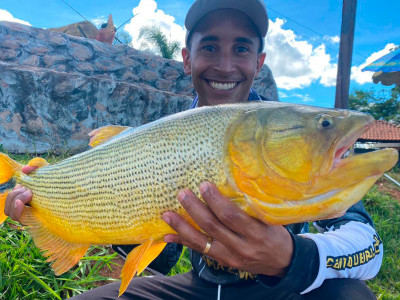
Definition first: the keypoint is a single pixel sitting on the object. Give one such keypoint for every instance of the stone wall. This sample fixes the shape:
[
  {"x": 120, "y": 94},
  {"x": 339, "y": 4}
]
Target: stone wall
[{"x": 55, "y": 88}]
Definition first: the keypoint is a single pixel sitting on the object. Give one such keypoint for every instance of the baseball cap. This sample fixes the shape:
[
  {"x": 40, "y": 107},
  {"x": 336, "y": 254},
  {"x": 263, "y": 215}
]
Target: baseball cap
[{"x": 254, "y": 9}]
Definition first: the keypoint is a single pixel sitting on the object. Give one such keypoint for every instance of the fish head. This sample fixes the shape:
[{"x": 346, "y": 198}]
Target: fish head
[
  {"x": 288, "y": 161},
  {"x": 302, "y": 143}
]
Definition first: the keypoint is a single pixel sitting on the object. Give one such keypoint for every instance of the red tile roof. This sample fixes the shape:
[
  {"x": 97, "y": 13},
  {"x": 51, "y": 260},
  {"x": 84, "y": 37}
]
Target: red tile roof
[{"x": 382, "y": 131}]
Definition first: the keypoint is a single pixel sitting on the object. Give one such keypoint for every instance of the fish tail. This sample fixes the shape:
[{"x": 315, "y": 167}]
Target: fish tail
[
  {"x": 8, "y": 169},
  {"x": 3, "y": 216}
]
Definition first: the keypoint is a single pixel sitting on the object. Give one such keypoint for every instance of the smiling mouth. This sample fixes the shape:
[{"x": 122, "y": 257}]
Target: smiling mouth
[{"x": 222, "y": 86}]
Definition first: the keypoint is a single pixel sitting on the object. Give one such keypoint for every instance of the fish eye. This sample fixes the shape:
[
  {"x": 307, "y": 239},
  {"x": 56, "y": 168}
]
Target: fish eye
[{"x": 325, "y": 121}]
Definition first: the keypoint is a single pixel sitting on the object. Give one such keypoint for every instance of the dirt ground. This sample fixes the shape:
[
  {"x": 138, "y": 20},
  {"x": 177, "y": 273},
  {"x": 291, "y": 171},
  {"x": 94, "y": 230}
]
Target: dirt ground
[
  {"x": 115, "y": 271},
  {"x": 390, "y": 189}
]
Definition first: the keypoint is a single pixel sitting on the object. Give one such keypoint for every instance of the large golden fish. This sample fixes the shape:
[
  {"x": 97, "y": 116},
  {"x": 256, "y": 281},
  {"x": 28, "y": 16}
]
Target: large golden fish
[{"x": 281, "y": 163}]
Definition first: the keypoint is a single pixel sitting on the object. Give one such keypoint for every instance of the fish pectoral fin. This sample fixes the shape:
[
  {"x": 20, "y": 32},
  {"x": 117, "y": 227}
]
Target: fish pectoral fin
[
  {"x": 63, "y": 254},
  {"x": 138, "y": 260},
  {"x": 103, "y": 134}
]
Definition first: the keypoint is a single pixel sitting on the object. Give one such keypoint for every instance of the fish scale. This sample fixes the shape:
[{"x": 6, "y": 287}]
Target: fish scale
[
  {"x": 273, "y": 160},
  {"x": 131, "y": 181}
]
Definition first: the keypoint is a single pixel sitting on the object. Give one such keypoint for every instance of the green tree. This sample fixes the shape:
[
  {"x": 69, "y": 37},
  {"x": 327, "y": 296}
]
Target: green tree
[
  {"x": 154, "y": 35},
  {"x": 378, "y": 104},
  {"x": 124, "y": 37}
]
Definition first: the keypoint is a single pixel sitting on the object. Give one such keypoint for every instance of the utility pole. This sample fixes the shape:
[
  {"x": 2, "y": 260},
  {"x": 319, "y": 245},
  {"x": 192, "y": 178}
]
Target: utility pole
[{"x": 345, "y": 53}]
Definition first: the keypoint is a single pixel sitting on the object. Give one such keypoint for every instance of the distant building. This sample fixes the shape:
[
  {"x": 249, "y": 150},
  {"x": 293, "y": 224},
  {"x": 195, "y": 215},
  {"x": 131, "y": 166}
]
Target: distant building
[{"x": 382, "y": 134}]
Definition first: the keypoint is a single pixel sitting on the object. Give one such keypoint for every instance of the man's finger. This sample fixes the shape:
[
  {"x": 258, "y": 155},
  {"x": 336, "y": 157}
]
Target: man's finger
[
  {"x": 28, "y": 169},
  {"x": 206, "y": 219},
  {"x": 18, "y": 189},
  {"x": 226, "y": 212},
  {"x": 194, "y": 239},
  {"x": 15, "y": 202},
  {"x": 188, "y": 235}
]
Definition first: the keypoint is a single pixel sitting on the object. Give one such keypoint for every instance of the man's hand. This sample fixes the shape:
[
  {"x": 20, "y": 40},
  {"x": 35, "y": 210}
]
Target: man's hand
[
  {"x": 239, "y": 241},
  {"x": 17, "y": 198}
]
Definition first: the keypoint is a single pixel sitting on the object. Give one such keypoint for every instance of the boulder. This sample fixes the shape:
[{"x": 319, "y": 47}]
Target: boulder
[{"x": 55, "y": 88}]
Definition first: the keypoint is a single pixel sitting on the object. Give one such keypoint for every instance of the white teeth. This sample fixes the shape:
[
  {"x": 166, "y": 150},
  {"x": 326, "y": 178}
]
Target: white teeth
[{"x": 222, "y": 86}]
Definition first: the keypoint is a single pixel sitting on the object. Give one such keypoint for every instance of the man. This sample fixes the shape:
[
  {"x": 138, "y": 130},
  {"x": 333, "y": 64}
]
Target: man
[
  {"x": 245, "y": 258},
  {"x": 107, "y": 32}
]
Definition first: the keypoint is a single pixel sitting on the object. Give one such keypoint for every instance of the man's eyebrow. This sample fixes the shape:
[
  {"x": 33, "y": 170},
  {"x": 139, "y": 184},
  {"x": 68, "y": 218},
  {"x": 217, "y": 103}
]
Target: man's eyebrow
[
  {"x": 209, "y": 38},
  {"x": 244, "y": 40},
  {"x": 213, "y": 38}
]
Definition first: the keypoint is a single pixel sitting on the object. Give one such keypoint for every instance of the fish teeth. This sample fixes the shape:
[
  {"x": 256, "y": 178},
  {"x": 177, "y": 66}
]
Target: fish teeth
[{"x": 222, "y": 86}]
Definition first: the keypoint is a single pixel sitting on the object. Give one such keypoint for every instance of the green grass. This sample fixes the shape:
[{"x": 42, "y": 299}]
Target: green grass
[
  {"x": 385, "y": 212},
  {"x": 24, "y": 274}
]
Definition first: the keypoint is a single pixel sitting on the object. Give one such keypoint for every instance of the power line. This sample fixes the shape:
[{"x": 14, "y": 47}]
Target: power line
[
  {"x": 126, "y": 22},
  {"x": 116, "y": 38},
  {"x": 76, "y": 11}
]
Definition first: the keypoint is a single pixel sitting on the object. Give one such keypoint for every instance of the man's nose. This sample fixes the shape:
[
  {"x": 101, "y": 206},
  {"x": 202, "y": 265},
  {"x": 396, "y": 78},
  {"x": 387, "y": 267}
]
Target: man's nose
[{"x": 226, "y": 64}]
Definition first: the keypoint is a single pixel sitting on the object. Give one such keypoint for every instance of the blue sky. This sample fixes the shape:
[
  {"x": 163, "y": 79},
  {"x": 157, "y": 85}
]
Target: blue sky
[{"x": 302, "y": 43}]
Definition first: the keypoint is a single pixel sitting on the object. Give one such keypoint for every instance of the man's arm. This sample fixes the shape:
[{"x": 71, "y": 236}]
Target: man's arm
[{"x": 348, "y": 247}]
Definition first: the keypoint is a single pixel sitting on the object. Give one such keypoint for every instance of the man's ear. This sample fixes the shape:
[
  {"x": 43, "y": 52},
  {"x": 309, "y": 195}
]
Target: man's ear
[
  {"x": 187, "y": 68},
  {"x": 260, "y": 62}
]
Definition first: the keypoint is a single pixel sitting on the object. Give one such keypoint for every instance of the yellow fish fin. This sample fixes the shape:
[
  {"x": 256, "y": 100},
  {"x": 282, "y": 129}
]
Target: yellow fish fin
[
  {"x": 63, "y": 254},
  {"x": 38, "y": 162},
  {"x": 103, "y": 134},
  {"x": 3, "y": 216},
  {"x": 138, "y": 260},
  {"x": 8, "y": 167}
]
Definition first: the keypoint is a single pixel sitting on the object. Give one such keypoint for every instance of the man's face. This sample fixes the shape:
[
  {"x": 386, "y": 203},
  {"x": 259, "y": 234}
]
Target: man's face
[{"x": 223, "y": 59}]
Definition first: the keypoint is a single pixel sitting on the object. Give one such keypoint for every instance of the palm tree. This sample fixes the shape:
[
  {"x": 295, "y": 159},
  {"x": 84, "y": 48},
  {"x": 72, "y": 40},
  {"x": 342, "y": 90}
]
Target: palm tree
[{"x": 154, "y": 35}]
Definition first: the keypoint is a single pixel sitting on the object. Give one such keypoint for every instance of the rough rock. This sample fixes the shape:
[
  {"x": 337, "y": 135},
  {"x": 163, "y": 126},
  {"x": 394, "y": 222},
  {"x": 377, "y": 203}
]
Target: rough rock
[
  {"x": 55, "y": 88},
  {"x": 44, "y": 110}
]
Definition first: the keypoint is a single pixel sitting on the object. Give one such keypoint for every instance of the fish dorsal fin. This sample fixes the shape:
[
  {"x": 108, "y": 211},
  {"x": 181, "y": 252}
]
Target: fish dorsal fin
[
  {"x": 63, "y": 254},
  {"x": 138, "y": 260},
  {"x": 38, "y": 162},
  {"x": 103, "y": 134}
]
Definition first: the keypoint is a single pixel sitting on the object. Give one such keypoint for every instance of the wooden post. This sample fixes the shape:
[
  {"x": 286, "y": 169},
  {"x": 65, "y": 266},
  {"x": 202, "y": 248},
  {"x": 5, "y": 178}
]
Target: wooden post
[{"x": 345, "y": 53}]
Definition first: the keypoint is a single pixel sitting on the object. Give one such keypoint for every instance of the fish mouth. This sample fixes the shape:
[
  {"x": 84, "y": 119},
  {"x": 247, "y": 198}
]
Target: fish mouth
[{"x": 348, "y": 141}]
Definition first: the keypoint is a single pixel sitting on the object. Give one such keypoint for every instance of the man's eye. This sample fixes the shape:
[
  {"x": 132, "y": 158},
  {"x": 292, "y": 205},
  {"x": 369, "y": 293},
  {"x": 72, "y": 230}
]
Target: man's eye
[
  {"x": 209, "y": 48},
  {"x": 242, "y": 49}
]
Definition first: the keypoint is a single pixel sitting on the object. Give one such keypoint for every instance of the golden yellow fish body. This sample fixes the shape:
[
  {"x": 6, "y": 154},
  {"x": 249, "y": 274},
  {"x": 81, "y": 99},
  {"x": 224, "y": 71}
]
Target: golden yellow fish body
[
  {"x": 279, "y": 162},
  {"x": 117, "y": 192}
]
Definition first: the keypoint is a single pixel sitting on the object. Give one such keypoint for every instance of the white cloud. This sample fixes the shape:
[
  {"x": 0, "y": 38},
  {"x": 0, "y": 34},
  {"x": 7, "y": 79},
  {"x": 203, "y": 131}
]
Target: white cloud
[
  {"x": 99, "y": 21},
  {"x": 147, "y": 14},
  {"x": 282, "y": 95},
  {"x": 364, "y": 77},
  {"x": 296, "y": 63},
  {"x": 6, "y": 16},
  {"x": 332, "y": 39}
]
